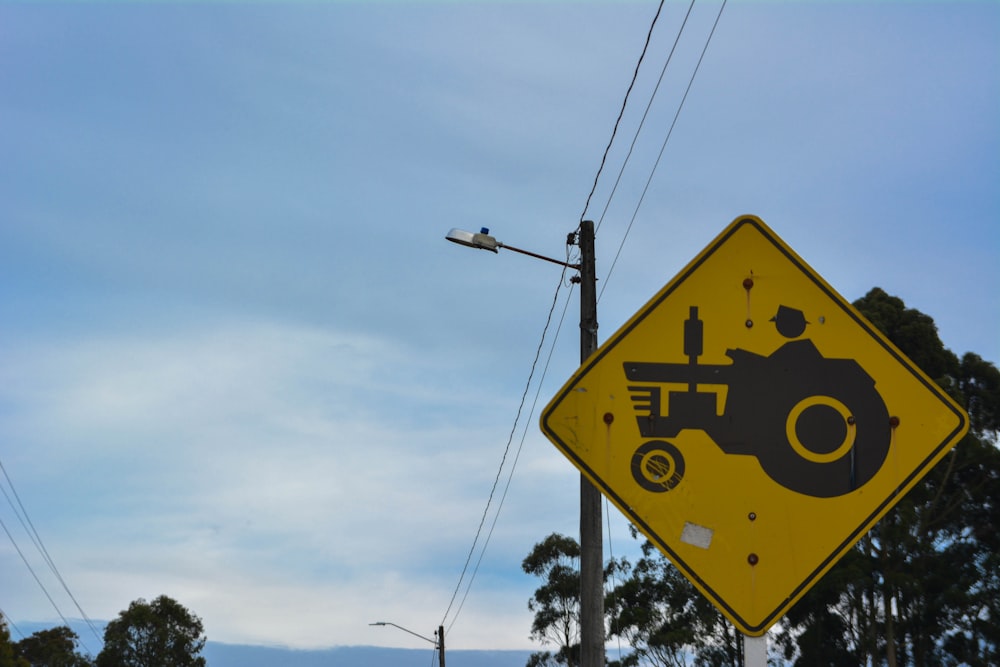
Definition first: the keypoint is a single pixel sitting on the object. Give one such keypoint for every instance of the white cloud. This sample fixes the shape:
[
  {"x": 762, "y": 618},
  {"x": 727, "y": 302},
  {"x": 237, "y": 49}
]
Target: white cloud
[{"x": 262, "y": 474}]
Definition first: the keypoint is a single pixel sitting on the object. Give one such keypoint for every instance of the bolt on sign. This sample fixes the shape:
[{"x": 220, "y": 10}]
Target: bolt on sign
[{"x": 752, "y": 424}]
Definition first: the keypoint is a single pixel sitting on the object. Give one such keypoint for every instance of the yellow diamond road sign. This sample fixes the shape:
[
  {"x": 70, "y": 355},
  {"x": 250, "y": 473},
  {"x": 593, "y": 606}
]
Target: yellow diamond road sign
[{"x": 752, "y": 424}]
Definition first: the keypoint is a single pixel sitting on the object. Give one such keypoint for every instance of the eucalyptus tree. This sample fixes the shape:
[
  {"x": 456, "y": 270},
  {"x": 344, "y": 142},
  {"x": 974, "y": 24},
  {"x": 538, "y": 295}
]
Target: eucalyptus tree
[
  {"x": 663, "y": 619},
  {"x": 556, "y": 603}
]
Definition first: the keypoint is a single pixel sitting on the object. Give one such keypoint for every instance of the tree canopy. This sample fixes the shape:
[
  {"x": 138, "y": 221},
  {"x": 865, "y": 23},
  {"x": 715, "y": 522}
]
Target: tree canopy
[
  {"x": 55, "y": 647},
  {"x": 556, "y": 603},
  {"x": 663, "y": 618},
  {"x": 161, "y": 633},
  {"x": 8, "y": 658}
]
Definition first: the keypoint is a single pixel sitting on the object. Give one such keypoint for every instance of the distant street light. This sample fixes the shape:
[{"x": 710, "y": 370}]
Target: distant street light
[
  {"x": 438, "y": 643},
  {"x": 591, "y": 539}
]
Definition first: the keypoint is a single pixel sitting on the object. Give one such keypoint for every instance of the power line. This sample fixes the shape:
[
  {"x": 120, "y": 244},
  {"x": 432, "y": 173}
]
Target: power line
[
  {"x": 32, "y": 571},
  {"x": 503, "y": 460},
  {"x": 36, "y": 539},
  {"x": 614, "y": 131},
  {"x": 520, "y": 446},
  {"x": 10, "y": 623},
  {"x": 642, "y": 121},
  {"x": 663, "y": 147},
  {"x": 482, "y": 522}
]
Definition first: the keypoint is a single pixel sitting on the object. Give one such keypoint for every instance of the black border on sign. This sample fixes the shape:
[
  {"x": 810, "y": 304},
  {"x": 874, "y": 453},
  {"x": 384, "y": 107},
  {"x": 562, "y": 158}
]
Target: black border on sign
[{"x": 866, "y": 524}]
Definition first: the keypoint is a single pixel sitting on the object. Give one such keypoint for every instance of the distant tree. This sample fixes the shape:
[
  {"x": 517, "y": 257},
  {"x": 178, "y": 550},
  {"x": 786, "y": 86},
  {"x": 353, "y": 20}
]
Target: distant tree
[
  {"x": 7, "y": 656},
  {"x": 161, "y": 633},
  {"x": 556, "y": 603},
  {"x": 52, "y": 648},
  {"x": 542, "y": 659}
]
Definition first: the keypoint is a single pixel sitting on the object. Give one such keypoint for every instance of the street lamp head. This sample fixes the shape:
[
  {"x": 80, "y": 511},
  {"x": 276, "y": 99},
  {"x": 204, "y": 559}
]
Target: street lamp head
[{"x": 481, "y": 240}]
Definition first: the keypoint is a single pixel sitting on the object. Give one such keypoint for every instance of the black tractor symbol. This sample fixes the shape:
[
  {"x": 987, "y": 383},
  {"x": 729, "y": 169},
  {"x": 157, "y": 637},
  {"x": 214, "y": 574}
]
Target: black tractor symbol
[{"x": 816, "y": 425}]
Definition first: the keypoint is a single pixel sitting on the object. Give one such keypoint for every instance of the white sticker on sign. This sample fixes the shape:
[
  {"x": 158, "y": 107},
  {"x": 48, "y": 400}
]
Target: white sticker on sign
[{"x": 695, "y": 535}]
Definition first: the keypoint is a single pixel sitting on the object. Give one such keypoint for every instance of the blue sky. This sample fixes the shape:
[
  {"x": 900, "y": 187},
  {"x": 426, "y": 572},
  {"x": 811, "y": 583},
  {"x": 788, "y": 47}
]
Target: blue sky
[{"x": 241, "y": 366}]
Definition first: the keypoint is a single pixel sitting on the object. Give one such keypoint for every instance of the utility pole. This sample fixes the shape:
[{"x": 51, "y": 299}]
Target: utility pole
[
  {"x": 440, "y": 643},
  {"x": 591, "y": 536}
]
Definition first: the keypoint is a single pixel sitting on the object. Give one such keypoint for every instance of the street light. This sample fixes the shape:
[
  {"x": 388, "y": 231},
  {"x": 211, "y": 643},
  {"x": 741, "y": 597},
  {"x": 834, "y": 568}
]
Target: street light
[
  {"x": 483, "y": 241},
  {"x": 591, "y": 539},
  {"x": 438, "y": 643}
]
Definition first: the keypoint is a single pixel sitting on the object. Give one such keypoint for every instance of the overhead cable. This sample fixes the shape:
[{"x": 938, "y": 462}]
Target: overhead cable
[
  {"x": 7, "y": 619},
  {"x": 21, "y": 512},
  {"x": 517, "y": 455},
  {"x": 32, "y": 571},
  {"x": 642, "y": 121},
  {"x": 503, "y": 460},
  {"x": 614, "y": 131},
  {"x": 663, "y": 147},
  {"x": 482, "y": 522}
]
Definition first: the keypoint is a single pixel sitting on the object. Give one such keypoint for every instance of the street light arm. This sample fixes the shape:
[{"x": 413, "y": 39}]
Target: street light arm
[
  {"x": 428, "y": 639},
  {"x": 483, "y": 241},
  {"x": 575, "y": 267}
]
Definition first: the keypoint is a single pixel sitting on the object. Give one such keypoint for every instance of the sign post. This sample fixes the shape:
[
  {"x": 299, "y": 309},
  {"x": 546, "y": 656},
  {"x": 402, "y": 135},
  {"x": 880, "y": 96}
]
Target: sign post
[
  {"x": 752, "y": 424},
  {"x": 755, "y": 651}
]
